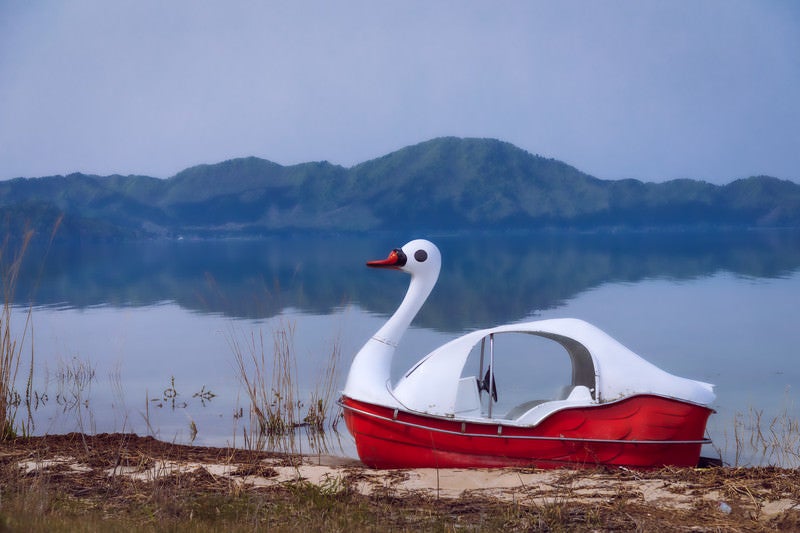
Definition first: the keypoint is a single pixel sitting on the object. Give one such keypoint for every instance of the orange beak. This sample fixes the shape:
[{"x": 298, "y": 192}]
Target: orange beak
[{"x": 395, "y": 260}]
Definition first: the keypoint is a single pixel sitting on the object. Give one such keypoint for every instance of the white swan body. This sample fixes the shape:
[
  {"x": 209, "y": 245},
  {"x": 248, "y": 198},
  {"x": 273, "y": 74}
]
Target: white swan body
[
  {"x": 605, "y": 368},
  {"x": 618, "y": 409}
]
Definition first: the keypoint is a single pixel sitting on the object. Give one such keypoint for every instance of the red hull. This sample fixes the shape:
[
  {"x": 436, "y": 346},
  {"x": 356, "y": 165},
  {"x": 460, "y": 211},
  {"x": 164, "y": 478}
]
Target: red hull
[{"x": 641, "y": 431}]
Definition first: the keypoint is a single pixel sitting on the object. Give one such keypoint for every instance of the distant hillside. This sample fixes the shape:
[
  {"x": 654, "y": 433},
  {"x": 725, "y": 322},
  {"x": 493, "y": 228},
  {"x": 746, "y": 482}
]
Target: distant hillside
[{"x": 442, "y": 184}]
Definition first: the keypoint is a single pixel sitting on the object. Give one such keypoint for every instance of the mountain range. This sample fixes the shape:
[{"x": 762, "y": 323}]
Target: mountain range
[{"x": 445, "y": 184}]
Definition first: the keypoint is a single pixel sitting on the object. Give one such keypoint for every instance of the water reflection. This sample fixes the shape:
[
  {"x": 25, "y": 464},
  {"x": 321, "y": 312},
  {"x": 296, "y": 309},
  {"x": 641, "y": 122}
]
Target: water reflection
[
  {"x": 485, "y": 279},
  {"x": 154, "y": 321}
]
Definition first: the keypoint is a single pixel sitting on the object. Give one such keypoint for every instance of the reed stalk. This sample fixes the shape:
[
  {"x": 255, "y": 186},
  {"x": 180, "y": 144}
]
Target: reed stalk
[
  {"x": 323, "y": 397},
  {"x": 270, "y": 380},
  {"x": 272, "y": 394},
  {"x": 758, "y": 440},
  {"x": 11, "y": 340}
]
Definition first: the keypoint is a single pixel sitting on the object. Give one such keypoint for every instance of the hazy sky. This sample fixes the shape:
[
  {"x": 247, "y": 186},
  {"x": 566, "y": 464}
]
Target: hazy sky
[{"x": 647, "y": 89}]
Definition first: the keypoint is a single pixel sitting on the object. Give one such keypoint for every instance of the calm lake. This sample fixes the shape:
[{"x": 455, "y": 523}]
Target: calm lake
[{"x": 141, "y": 336}]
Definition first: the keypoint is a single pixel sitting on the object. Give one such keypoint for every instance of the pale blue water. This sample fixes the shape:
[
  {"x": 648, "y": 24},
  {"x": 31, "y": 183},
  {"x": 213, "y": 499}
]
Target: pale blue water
[{"x": 721, "y": 308}]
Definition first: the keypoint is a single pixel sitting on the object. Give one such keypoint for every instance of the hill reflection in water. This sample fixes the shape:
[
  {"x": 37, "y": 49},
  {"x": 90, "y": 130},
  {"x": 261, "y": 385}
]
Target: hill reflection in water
[{"x": 485, "y": 279}]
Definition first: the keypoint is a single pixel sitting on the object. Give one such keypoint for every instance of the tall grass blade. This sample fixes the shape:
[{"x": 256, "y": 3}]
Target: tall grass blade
[{"x": 11, "y": 341}]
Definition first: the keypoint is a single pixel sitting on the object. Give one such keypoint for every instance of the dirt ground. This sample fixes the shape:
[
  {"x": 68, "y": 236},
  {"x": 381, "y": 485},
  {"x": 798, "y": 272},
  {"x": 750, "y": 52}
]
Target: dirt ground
[{"x": 682, "y": 499}]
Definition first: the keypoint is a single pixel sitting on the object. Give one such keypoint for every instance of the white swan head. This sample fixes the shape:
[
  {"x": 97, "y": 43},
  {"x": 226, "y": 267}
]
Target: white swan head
[
  {"x": 370, "y": 371},
  {"x": 418, "y": 258}
]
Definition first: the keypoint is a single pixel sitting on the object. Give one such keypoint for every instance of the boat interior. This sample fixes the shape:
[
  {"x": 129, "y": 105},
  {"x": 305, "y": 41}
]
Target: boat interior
[{"x": 522, "y": 362}]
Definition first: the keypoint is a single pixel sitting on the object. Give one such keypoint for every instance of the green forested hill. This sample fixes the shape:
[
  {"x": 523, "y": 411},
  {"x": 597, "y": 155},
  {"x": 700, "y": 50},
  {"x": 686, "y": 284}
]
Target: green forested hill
[{"x": 442, "y": 184}]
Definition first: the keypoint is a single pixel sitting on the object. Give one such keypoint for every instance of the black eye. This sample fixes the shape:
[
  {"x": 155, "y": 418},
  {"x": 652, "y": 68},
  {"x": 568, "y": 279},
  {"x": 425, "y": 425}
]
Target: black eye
[{"x": 421, "y": 256}]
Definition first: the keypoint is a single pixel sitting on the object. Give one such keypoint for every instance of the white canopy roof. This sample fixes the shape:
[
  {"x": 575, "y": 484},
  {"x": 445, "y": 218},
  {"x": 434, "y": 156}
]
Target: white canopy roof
[{"x": 602, "y": 364}]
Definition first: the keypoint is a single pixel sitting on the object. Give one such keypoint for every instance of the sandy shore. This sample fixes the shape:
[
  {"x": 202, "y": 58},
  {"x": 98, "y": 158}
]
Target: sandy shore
[{"x": 765, "y": 496}]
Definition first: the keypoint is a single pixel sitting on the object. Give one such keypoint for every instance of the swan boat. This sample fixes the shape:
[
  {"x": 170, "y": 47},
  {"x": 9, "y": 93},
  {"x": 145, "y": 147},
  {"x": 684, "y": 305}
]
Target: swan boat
[{"x": 618, "y": 410}]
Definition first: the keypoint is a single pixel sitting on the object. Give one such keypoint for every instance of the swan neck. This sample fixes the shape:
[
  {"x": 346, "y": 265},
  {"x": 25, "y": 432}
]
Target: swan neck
[
  {"x": 392, "y": 331},
  {"x": 370, "y": 374}
]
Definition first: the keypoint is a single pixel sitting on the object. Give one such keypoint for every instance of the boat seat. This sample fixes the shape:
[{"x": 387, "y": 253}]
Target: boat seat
[
  {"x": 523, "y": 408},
  {"x": 574, "y": 392},
  {"x": 578, "y": 395},
  {"x": 564, "y": 392},
  {"x": 468, "y": 401}
]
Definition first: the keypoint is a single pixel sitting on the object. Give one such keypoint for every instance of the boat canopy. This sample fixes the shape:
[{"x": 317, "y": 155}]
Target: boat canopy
[{"x": 609, "y": 370}]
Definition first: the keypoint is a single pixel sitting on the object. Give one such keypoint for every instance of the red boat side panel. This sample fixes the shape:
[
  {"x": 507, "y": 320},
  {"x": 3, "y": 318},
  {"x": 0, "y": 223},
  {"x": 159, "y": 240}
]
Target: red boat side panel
[{"x": 642, "y": 431}]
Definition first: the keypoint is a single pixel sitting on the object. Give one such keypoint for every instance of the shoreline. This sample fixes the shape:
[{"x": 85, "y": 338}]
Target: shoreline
[{"x": 716, "y": 497}]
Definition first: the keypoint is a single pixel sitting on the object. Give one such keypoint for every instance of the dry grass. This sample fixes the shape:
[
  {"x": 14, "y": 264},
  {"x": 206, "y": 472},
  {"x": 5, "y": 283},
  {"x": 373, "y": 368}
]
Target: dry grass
[
  {"x": 11, "y": 341},
  {"x": 775, "y": 443},
  {"x": 323, "y": 397},
  {"x": 753, "y": 440},
  {"x": 93, "y": 493},
  {"x": 270, "y": 379}
]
